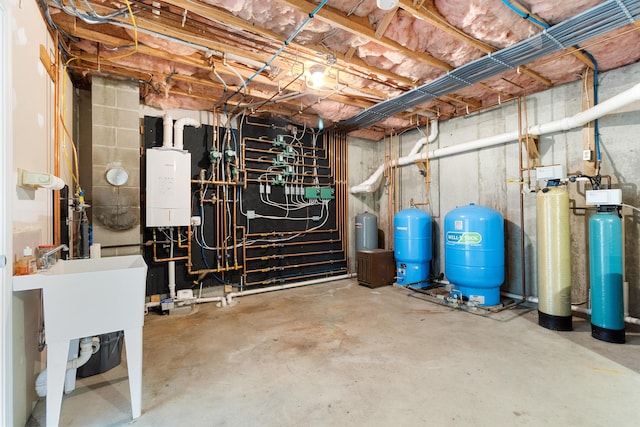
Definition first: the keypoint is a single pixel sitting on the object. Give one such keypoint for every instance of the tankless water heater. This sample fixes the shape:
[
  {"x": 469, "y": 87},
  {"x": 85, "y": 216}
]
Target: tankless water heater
[{"x": 168, "y": 196}]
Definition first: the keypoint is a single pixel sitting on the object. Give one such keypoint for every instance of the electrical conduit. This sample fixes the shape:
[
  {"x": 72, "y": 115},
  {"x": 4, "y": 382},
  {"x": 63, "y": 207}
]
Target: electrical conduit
[
  {"x": 605, "y": 108},
  {"x": 279, "y": 51}
]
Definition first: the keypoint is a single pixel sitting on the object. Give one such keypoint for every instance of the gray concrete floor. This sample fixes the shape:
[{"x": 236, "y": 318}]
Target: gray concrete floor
[{"x": 340, "y": 354}]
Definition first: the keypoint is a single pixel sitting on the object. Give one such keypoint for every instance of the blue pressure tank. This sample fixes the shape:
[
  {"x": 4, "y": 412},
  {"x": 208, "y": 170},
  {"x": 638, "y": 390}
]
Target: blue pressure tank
[
  {"x": 605, "y": 271},
  {"x": 412, "y": 241},
  {"x": 474, "y": 253}
]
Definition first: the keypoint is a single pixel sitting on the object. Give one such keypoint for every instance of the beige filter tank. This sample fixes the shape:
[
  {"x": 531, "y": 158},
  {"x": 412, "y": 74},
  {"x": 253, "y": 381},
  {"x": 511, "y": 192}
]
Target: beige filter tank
[{"x": 554, "y": 262}]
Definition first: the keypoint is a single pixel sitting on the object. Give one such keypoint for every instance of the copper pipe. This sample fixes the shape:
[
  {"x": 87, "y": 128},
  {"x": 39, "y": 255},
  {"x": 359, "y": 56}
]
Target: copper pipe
[
  {"x": 214, "y": 182},
  {"x": 263, "y": 171},
  {"x": 523, "y": 267},
  {"x": 276, "y": 245},
  {"x": 225, "y": 198},
  {"x": 284, "y": 233},
  {"x": 56, "y": 138},
  {"x": 155, "y": 253},
  {"x": 235, "y": 221},
  {"x": 206, "y": 271},
  {"x": 395, "y": 139},
  {"x": 287, "y": 267},
  {"x": 298, "y": 277},
  {"x": 270, "y": 126},
  {"x": 258, "y": 150},
  {"x": 217, "y": 227},
  {"x": 293, "y": 255},
  {"x": 345, "y": 195},
  {"x": 244, "y": 253},
  {"x": 180, "y": 245},
  {"x": 347, "y": 213}
]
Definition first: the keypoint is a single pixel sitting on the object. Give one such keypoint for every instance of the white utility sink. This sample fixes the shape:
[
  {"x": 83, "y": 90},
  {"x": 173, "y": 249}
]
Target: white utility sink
[{"x": 84, "y": 298}]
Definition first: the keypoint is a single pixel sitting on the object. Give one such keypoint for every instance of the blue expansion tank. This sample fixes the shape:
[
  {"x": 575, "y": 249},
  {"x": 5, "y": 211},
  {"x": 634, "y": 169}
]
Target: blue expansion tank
[
  {"x": 474, "y": 253},
  {"x": 412, "y": 241}
]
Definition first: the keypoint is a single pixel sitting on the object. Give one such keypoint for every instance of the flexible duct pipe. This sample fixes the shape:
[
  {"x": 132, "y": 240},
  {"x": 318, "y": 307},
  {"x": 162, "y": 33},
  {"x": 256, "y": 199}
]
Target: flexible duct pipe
[
  {"x": 167, "y": 131},
  {"x": 607, "y": 107},
  {"x": 87, "y": 348},
  {"x": 288, "y": 286},
  {"x": 178, "y": 131}
]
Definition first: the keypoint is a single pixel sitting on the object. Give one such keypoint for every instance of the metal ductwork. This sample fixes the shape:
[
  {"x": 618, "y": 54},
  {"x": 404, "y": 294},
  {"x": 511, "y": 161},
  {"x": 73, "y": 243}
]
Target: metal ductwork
[{"x": 596, "y": 21}]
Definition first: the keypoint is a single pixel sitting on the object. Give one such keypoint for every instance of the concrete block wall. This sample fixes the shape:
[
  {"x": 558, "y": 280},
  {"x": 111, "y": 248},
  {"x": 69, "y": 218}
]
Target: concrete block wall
[
  {"x": 115, "y": 143},
  {"x": 363, "y": 161},
  {"x": 489, "y": 177}
]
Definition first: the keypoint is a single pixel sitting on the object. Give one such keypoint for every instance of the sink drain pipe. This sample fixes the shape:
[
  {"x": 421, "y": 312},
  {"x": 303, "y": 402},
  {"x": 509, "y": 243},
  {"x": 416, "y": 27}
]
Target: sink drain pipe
[{"x": 87, "y": 347}]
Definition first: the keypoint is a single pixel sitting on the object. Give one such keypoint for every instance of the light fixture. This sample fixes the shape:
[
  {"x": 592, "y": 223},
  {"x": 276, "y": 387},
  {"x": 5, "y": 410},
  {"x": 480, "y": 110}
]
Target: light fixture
[
  {"x": 317, "y": 75},
  {"x": 387, "y": 4}
]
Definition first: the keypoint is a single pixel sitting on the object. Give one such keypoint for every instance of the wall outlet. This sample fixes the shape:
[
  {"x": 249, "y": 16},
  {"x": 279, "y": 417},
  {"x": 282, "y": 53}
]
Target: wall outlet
[
  {"x": 196, "y": 221},
  {"x": 586, "y": 155}
]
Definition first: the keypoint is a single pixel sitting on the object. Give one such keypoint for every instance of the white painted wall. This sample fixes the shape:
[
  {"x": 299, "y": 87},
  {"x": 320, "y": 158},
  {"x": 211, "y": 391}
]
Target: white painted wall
[
  {"x": 30, "y": 147},
  {"x": 363, "y": 161},
  {"x": 6, "y": 347}
]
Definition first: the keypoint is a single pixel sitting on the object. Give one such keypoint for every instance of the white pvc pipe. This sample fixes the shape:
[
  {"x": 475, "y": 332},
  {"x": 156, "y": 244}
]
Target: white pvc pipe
[
  {"x": 172, "y": 279},
  {"x": 433, "y": 134},
  {"x": 604, "y": 108},
  {"x": 222, "y": 300},
  {"x": 372, "y": 183},
  {"x": 287, "y": 286},
  {"x": 577, "y": 309},
  {"x": 625, "y": 298},
  {"x": 178, "y": 131},
  {"x": 167, "y": 131},
  {"x": 87, "y": 348}
]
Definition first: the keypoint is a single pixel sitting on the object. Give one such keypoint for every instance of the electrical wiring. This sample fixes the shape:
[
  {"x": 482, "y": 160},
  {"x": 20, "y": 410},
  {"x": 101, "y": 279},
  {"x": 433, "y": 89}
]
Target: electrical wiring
[
  {"x": 324, "y": 203},
  {"x": 169, "y": 236},
  {"x": 281, "y": 49},
  {"x": 630, "y": 207},
  {"x": 524, "y": 15},
  {"x": 596, "y": 125},
  {"x": 62, "y": 118},
  {"x": 90, "y": 18},
  {"x": 243, "y": 83},
  {"x": 100, "y": 20}
]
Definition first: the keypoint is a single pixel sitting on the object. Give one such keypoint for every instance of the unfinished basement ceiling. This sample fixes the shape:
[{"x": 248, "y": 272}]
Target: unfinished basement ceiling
[{"x": 256, "y": 56}]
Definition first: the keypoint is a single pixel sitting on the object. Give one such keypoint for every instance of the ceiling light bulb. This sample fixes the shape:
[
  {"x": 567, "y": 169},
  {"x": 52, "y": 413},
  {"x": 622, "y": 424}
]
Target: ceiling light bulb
[
  {"x": 317, "y": 75},
  {"x": 387, "y": 4}
]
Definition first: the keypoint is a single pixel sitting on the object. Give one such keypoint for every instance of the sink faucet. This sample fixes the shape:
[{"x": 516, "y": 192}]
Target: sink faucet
[{"x": 45, "y": 256}]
